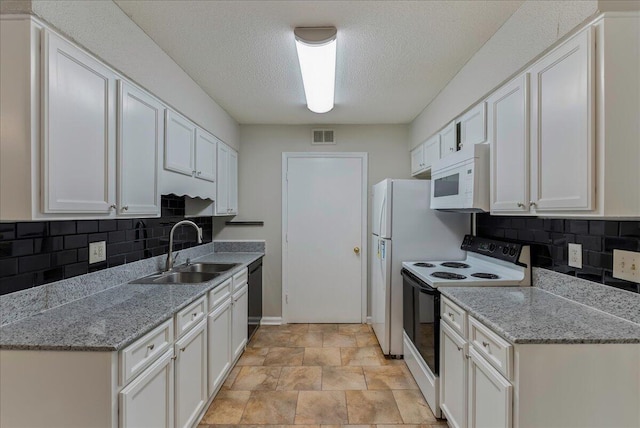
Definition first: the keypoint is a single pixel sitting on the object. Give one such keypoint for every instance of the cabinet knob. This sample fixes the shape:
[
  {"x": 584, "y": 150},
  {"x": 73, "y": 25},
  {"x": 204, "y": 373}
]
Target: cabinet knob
[
  {"x": 199, "y": 172},
  {"x": 485, "y": 344},
  {"x": 125, "y": 208},
  {"x": 183, "y": 349},
  {"x": 451, "y": 315},
  {"x": 532, "y": 204},
  {"x": 195, "y": 314},
  {"x": 459, "y": 348},
  {"x": 175, "y": 357},
  {"x": 520, "y": 205},
  {"x": 193, "y": 172},
  {"x": 113, "y": 206},
  {"x": 150, "y": 347}
]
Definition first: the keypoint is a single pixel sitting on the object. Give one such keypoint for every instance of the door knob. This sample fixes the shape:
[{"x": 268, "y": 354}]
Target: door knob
[{"x": 356, "y": 250}]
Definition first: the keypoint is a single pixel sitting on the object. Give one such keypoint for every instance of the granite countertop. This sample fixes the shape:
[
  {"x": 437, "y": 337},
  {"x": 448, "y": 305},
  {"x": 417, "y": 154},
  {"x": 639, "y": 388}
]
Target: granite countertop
[
  {"x": 114, "y": 318},
  {"x": 527, "y": 315}
]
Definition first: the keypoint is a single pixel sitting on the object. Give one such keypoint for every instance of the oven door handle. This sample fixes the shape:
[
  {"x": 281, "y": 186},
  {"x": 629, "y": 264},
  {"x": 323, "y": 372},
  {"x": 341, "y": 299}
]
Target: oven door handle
[{"x": 421, "y": 286}]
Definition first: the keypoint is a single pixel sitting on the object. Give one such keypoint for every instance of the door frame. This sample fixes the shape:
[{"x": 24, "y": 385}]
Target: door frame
[{"x": 364, "y": 157}]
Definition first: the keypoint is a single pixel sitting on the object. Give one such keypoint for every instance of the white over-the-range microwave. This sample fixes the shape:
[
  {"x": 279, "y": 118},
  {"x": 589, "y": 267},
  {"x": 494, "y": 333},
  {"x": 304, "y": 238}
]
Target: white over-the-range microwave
[{"x": 460, "y": 181}]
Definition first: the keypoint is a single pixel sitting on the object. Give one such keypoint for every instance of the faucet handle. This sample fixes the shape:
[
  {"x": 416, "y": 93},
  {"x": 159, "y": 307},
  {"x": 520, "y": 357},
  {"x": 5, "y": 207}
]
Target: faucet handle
[{"x": 199, "y": 235}]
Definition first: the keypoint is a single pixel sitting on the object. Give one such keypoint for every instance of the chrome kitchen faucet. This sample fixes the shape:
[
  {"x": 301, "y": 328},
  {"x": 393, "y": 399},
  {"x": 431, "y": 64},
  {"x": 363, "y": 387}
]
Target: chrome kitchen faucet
[{"x": 169, "y": 264}]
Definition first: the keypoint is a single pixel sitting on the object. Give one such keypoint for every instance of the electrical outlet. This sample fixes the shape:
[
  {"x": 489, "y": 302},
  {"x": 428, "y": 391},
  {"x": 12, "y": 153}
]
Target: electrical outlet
[
  {"x": 575, "y": 255},
  {"x": 97, "y": 252},
  {"x": 626, "y": 265}
]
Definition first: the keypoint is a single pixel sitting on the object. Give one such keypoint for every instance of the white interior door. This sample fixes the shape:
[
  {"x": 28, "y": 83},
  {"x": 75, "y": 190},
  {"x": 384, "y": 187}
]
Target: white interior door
[{"x": 324, "y": 228}]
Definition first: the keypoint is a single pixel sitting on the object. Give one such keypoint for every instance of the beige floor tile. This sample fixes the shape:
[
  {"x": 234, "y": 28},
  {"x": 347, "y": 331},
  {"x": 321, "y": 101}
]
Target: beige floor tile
[
  {"x": 226, "y": 408},
  {"x": 389, "y": 377},
  {"x": 342, "y": 378},
  {"x": 253, "y": 357},
  {"x": 368, "y": 356},
  {"x": 270, "y": 407},
  {"x": 393, "y": 362},
  {"x": 338, "y": 340},
  {"x": 372, "y": 407},
  {"x": 366, "y": 339},
  {"x": 402, "y": 426},
  {"x": 349, "y": 426},
  {"x": 325, "y": 328},
  {"x": 256, "y": 378},
  {"x": 269, "y": 339},
  {"x": 413, "y": 407},
  {"x": 321, "y": 407},
  {"x": 353, "y": 328},
  {"x": 312, "y": 339},
  {"x": 284, "y": 357},
  {"x": 233, "y": 374},
  {"x": 296, "y": 328},
  {"x": 322, "y": 357},
  {"x": 300, "y": 379}
]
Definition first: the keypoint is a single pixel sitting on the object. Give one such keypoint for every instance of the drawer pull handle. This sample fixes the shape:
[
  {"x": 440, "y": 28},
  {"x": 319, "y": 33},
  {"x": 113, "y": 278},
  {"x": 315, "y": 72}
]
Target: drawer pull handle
[
  {"x": 150, "y": 347},
  {"x": 183, "y": 349},
  {"x": 485, "y": 344},
  {"x": 195, "y": 314},
  {"x": 451, "y": 315},
  {"x": 459, "y": 348},
  {"x": 175, "y": 357}
]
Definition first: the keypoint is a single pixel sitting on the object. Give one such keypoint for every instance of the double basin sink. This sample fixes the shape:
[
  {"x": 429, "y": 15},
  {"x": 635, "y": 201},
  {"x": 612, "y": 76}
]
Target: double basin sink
[{"x": 187, "y": 274}]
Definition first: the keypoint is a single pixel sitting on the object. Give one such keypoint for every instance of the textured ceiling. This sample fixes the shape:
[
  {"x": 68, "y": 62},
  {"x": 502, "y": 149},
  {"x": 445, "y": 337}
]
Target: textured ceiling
[{"x": 393, "y": 56}]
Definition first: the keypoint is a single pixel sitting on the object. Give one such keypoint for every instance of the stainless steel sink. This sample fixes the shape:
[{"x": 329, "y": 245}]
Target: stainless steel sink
[
  {"x": 185, "y": 277},
  {"x": 207, "y": 267}
]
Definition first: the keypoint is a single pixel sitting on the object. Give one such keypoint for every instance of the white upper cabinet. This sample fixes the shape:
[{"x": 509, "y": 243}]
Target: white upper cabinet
[
  {"x": 473, "y": 126},
  {"x": 448, "y": 140},
  {"x": 562, "y": 127},
  {"x": 78, "y": 131},
  {"x": 205, "y": 156},
  {"x": 509, "y": 138},
  {"x": 227, "y": 182},
  {"x": 417, "y": 160},
  {"x": 179, "y": 145},
  {"x": 423, "y": 156},
  {"x": 140, "y": 136}
]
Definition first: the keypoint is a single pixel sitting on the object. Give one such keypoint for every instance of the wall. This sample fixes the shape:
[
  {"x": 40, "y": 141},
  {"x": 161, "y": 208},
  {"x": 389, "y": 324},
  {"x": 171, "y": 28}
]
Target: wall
[
  {"x": 549, "y": 239},
  {"x": 530, "y": 30},
  {"x": 37, "y": 253},
  {"x": 105, "y": 30},
  {"x": 260, "y": 182}
]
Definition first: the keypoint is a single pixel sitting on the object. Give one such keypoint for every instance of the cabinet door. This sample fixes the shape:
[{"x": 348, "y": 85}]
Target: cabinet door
[
  {"x": 417, "y": 159},
  {"x": 453, "y": 377},
  {"x": 448, "y": 140},
  {"x": 78, "y": 131},
  {"x": 191, "y": 375},
  {"x": 179, "y": 144},
  {"x": 233, "y": 182},
  {"x": 140, "y": 133},
  {"x": 206, "y": 147},
  {"x": 473, "y": 126},
  {"x": 562, "y": 137},
  {"x": 509, "y": 139},
  {"x": 148, "y": 400},
  {"x": 219, "y": 331},
  {"x": 490, "y": 395},
  {"x": 240, "y": 321},
  {"x": 222, "y": 184},
  {"x": 431, "y": 151}
]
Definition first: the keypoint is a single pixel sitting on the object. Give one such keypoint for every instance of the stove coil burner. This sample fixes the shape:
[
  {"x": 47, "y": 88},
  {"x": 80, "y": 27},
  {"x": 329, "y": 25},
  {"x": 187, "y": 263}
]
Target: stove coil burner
[
  {"x": 455, "y": 265},
  {"x": 485, "y": 275},
  {"x": 422, "y": 264},
  {"x": 448, "y": 275}
]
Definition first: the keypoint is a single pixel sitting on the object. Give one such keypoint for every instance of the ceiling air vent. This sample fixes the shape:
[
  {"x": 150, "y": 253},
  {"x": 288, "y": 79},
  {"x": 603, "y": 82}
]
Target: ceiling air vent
[{"x": 322, "y": 136}]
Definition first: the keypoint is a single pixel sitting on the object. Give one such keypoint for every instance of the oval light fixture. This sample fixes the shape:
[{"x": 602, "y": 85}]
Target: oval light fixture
[{"x": 316, "y": 47}]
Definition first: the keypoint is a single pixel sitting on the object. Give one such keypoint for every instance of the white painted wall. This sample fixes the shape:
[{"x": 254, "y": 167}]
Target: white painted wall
[
  {"x": 105, "y": 30},
  {"x": 527, "y": 33},
  {"x": 260, "y": 182}
]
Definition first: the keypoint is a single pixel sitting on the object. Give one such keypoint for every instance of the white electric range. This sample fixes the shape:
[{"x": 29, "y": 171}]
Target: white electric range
[{"x": 488, "y": 263}]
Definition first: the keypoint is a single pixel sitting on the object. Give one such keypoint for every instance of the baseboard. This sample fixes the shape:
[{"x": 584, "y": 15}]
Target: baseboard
[{"x": 271, "y": 321}]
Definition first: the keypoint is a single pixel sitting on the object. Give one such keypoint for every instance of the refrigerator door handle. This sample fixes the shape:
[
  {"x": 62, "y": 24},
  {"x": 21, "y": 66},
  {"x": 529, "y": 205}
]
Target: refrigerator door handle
[{"x": 382, "y": 210}]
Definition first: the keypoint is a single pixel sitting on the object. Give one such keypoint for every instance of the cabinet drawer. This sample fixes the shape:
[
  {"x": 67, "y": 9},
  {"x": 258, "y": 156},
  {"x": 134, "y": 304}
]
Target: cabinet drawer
[
  {"x": 454, "y": 315},
  {"x": 240, "y": 279},
  {"x": 190, "y": 316},
  {"x": 497, "y": 351},
  {"x": 144, "y": 351},
  {"x": 219, "y": 294}
]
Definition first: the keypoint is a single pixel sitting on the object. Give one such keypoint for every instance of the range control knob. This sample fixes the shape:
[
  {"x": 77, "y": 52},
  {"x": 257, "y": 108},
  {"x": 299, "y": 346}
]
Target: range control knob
[
  {"x": 512, "y": 252},
  {"x": 492, "y": 247},
  {"x": 505, "y": 250}
]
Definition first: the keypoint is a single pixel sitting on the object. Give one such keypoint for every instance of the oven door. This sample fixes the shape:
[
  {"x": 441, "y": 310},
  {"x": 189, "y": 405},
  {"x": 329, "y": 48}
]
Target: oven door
[{"x": 421, "y": 318}]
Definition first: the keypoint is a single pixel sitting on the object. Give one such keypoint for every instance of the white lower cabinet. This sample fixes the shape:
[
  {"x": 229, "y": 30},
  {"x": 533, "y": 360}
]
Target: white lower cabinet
[
  {"x": 490, "y": 395},
  {"x": 239, "y": 316},
  {"x": 219, "y": 331},
  {"x": 148, "y": 400},
  {"x": 191, "y": 375},
  {"x": 453, "y": 384}
]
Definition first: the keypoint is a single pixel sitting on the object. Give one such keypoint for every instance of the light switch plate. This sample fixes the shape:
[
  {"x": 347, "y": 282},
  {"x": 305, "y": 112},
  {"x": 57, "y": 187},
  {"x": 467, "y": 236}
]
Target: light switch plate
[
  {"x": 626, "y": 265},
  {"x": 575, "y": 255},
  {"x": 97, "y": 252}
]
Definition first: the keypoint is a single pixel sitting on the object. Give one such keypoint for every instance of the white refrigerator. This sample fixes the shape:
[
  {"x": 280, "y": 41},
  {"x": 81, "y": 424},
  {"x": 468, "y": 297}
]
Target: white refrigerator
[{"x": 404, "y": 228}]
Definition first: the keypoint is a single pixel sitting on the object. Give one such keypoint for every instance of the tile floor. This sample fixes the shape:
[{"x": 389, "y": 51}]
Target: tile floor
[{"x": 315, "y": 375}]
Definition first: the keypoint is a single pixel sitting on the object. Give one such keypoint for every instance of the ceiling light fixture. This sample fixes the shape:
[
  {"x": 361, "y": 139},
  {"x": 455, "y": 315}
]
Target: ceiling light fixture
[{"x": 316, "y": 48}]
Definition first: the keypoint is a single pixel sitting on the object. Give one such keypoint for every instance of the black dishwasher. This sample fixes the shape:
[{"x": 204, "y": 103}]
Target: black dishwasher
[{"x": 255, "y": 296}]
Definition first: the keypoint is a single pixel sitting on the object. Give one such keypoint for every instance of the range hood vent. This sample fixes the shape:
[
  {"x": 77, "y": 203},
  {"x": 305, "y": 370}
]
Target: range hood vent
[{"x": 322, "y": 136}]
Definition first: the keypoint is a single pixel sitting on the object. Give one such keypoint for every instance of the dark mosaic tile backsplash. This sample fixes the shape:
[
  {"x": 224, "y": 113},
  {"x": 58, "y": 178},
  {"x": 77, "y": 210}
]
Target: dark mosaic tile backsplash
[
  {"x": 549, "y": 238},
  {"x": 36, "y": 253}
]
